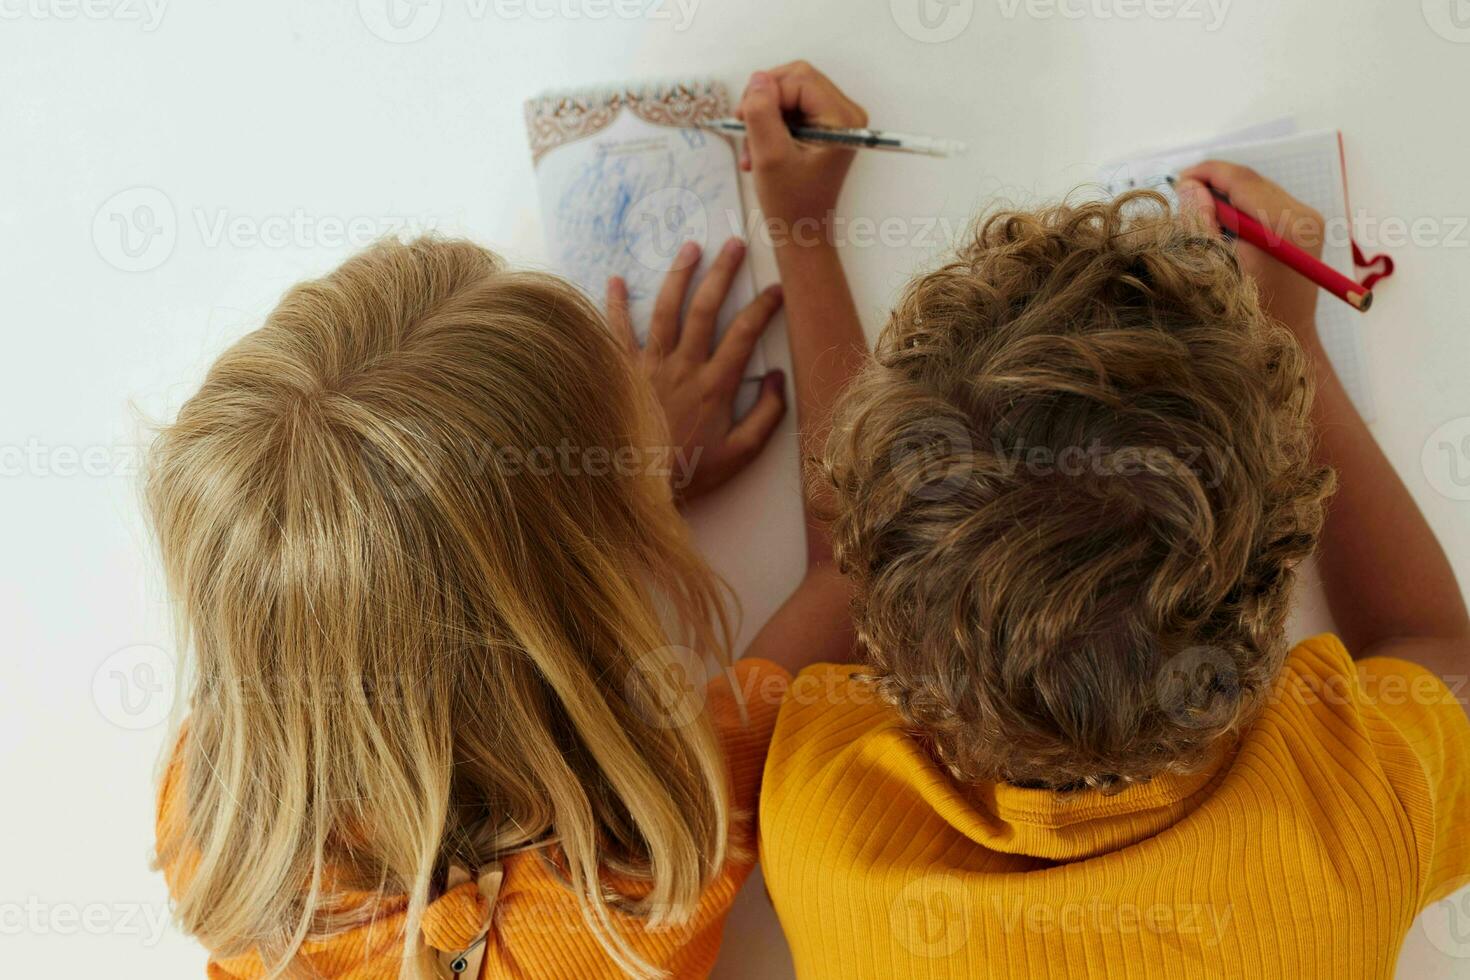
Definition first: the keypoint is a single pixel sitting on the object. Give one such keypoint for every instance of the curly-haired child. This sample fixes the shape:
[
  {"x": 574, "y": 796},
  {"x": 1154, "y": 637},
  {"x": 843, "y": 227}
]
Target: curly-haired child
[{"x": 1072, "y": 490}]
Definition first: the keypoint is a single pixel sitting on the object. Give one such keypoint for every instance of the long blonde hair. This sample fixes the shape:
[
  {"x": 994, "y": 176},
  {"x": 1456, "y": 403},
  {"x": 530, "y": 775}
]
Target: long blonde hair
[{"x": 428, "y": 572}]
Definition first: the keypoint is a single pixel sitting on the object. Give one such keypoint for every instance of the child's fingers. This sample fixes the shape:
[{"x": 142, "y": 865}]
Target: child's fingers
[
  {"x": 807, "y": 91},
  {"x": 618, "y": 315},
  {"x": 1196, "y": 200},
  {"x": 1265, "y": 200},
  {"x": 1228, "y": 178},
  {"x": 750, "y": 434},
  {"x": 767, "y": 140},
  {"x": 709, "y": 296},
  {"x": 663, "y": 332},
  {"x": 745, "y": 332},
  {"x": 1245, "y": 188}
]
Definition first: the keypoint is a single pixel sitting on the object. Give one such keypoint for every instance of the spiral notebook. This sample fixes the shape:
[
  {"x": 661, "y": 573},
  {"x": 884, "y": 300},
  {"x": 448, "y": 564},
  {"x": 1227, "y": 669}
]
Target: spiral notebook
[
  {"x": 1310, "y": 166},
  {"x": 625, "y": 176}
]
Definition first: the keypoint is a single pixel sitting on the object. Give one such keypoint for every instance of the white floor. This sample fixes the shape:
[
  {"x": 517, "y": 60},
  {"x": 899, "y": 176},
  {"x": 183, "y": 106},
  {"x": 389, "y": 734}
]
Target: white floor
[{"x": 247, "y": 146}]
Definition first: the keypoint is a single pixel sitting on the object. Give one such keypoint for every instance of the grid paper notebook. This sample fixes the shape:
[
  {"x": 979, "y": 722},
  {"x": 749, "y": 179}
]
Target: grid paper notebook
[
  {"x": 1309, "y": 166},
  {"x": 625, "y": 176}
]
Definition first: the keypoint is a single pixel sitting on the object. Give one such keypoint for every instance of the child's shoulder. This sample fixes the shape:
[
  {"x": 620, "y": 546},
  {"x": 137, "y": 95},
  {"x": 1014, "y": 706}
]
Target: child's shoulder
[
  {"x": 838, "y": 688},
  {"x": 835, "y": 694},
  {"x": 1322, "y": 681},
  {"x": 742, "y": 703},
  {"x": 1322, "y": 655},
  {"x": 829, "y": 710},
  {"x": 1391, "y": 728}
]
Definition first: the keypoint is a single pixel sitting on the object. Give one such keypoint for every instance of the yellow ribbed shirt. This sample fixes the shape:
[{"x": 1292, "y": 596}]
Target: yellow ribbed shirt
[{"x": 1304, "y": 850}]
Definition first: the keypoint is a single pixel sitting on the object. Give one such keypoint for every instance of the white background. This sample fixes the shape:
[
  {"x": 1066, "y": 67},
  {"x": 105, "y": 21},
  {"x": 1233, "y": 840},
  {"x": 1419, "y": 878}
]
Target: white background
[{"x": 256, "y": 131}]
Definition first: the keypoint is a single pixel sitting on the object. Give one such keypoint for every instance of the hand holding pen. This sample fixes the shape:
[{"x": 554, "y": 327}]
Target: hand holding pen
[{"x": 1283, "y": 255}]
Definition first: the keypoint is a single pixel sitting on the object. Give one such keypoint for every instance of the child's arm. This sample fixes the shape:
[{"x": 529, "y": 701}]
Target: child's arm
[
  {"x": 798, "y": 185},
  {"x": 1389, "y": 586}
]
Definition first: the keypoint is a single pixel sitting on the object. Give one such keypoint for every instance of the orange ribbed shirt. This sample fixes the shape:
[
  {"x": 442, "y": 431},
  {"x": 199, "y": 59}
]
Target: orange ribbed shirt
[
  {"x": 537, "y": 931},
  {"x": 1304, "y": 851}
]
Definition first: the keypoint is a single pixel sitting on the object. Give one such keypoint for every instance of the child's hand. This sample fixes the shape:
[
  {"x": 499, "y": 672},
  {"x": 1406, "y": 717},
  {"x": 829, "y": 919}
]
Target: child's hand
[
  {"x": 696, "y": 385},
  {"x": 1286, "y": 295},
  {"x": 795, "y": 181}
]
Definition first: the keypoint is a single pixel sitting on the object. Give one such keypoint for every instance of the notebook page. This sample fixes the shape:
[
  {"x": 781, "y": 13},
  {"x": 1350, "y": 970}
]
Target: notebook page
[
  {"x": 1309, "y": 166},
  {"x": 622, "y": 199}
]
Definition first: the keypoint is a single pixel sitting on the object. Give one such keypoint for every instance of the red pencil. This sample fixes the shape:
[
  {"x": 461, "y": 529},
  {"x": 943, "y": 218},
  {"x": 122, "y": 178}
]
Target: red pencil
[{"x": 1355, "y": 294}]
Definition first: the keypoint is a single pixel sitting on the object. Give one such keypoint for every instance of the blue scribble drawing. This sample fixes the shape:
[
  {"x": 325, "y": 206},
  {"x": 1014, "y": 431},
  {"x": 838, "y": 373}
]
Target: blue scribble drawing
[
  {"x": 627, "y": 214},
  {"x": 624, "y": 205}
]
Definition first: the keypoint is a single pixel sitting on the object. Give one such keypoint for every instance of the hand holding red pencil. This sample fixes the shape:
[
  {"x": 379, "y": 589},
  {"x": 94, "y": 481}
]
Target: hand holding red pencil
[{"x": 1279, "y": 238}]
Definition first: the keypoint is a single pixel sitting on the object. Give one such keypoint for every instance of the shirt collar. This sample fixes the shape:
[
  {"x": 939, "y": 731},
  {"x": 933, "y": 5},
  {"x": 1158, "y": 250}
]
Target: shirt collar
[{"x": 1056, "y": 826}]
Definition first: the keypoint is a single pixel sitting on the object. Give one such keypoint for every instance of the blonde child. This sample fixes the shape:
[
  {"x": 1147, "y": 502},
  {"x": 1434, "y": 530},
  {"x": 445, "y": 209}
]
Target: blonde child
[{"x": 421, "y": 535}]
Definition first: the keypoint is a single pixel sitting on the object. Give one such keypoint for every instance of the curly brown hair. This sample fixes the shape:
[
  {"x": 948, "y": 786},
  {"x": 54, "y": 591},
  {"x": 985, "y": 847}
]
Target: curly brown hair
[{"x": 1071, "y": 489}]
